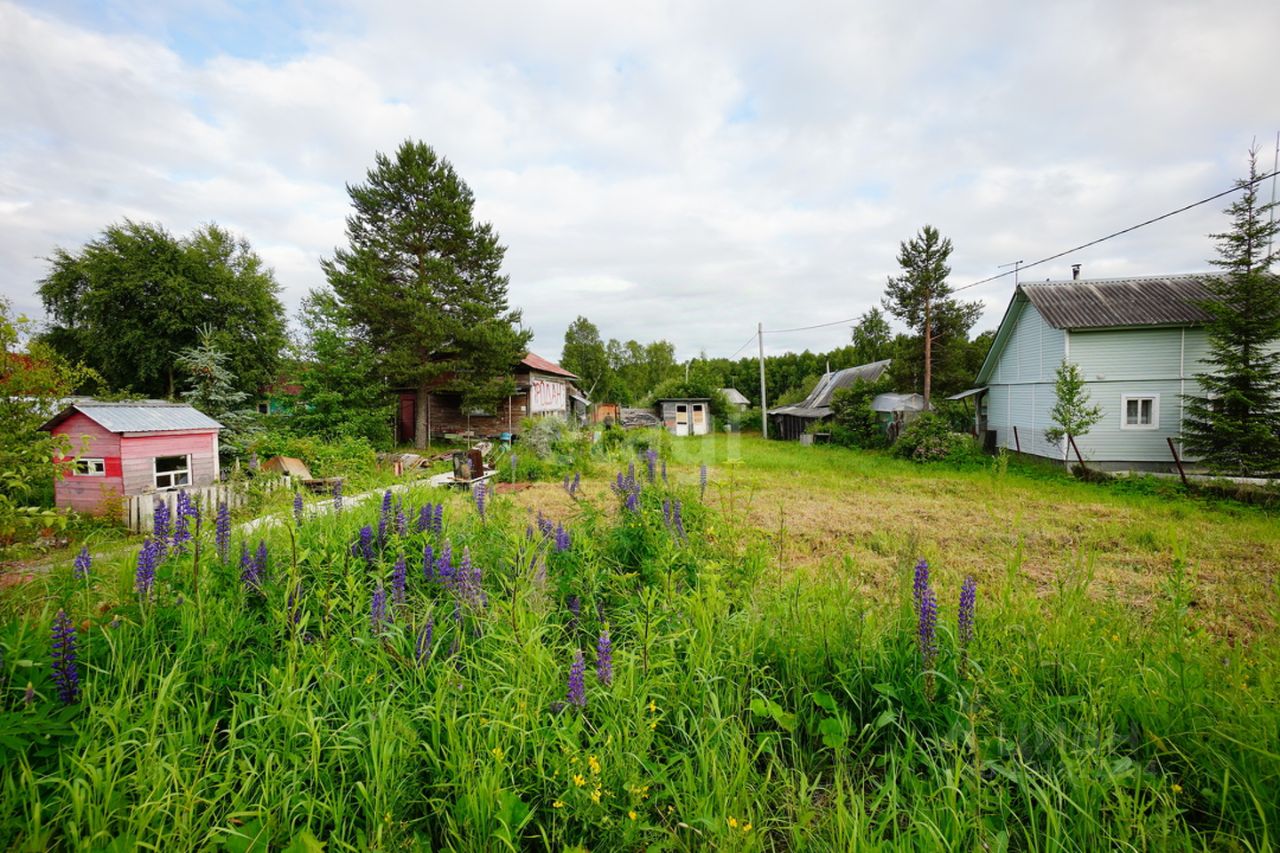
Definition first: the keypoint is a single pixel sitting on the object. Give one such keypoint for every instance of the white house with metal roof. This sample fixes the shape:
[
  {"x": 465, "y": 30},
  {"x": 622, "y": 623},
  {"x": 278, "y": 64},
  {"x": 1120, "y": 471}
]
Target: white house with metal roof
[{"x": 1139, "y": 343}]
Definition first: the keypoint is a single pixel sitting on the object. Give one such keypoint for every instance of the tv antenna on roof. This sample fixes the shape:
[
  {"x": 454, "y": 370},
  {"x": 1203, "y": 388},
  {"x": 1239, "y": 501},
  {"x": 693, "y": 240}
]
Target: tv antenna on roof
[{"x": 1015, "y": 265}]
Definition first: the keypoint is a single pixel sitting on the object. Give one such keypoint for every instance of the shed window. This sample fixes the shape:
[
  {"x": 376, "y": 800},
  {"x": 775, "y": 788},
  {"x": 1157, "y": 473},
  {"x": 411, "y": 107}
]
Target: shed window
[
  {"x": 88, "y": 466},
  {"x": 173, "y": 471},
  {"x": 1140, "y": 412}
]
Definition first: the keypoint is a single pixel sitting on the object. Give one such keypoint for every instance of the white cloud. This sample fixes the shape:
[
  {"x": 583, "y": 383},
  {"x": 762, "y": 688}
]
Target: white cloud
[{"x": 668, "y": 170}]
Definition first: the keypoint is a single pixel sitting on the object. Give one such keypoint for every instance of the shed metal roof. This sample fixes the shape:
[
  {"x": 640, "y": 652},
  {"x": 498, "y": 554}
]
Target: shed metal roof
[
  {"x": 137, "y": 416},
  {"x": 1161, "y": 300},
  {"x": 536, "y": 362},
  {"x": 735, "y": 397},
  {"x": 818, "y": 403}
]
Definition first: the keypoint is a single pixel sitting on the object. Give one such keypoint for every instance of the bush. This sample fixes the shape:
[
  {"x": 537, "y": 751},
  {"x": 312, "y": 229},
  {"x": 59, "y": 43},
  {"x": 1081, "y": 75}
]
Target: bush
[
  {"x": 855, "y": 424},
  {"x": 549, "y": 448},
  {"x": 344, "y": 457},
  {"x": 928, "y": 438}
]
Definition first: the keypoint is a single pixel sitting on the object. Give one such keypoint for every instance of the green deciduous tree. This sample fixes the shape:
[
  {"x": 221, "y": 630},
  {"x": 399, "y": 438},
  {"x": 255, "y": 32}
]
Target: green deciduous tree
[
  {"x": 421, "y": 281},
  {"x": 872, "y": 338},
  {"x": 34, "y": 380},
  {"x": 584, "y": 355},
  {"x": 1234, "y": 423},
  {"x": 921, "y": 298},
  {"x": 130, "y": 299},
  {"x": 342, "y": 390},
  {"x": 1072, "y": 414}
]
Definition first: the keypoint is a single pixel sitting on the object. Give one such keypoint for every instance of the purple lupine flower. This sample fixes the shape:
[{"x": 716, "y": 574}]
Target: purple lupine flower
[
  {"x": 545, "y": 525},
  {"x": 677, "y": 521},
  {"x": 222, "y": 531},
  {"x": 577, "y": 693},
  {"x": 181, "y": 527},
  {"x": 424, "y": 518},
  {"x": 260, "y": 560},
  {"x": 82, "y": 563},
  {"x": 562, "y": 540},
  {"x": 633, "y": 502},
  {"x": 66, "y": 673},
  {"x": 444, "y": 563},
  {"x": 631, "y": 472},
  {"x": 651, "y": 463},
  {"x": 575, "y": 611},
  {"x": 928, "y": 638},
  {"x": 364, "y": 546},
  {"x": 439, "y": 521},
  {"x": 604, "y": 657},
  {"x": 968, "y": 600},
  {"x": 666, "y": 512},
  {"x": 337, "y": 497},
  {"x": 399, "y": 577},
  {"x": 479, "y": 493},
  {"x": 428, "y": 563},
  {"x": 422, "y": 645},
  {"x": 702, "y": 482},
  {"x": 297, "y": 508},
  {"x": 383, "y": 517},
  {"x": 161, "y": 529},
  {"x": 664, "y": 471},
  {"x": 921, "y": 582},
  {"x": 378, "y": 609},
  {"x": 145, "y": 573},
  {"x": 402, "y": 524},
  {"x": 249, "y": 572}
]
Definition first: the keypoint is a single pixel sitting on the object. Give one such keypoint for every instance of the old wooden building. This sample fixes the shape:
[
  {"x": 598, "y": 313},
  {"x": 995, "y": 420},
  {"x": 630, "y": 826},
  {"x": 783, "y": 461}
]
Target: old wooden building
[
  {"x": 132, "y": 448},
  {"x": 543, "y": 388}
]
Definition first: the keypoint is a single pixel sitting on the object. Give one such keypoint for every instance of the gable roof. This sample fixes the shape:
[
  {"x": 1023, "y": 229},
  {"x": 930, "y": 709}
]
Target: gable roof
[
  {"x": 137, "y": 416},
  {"x": 533, "y": 361},
  {"x": 735, "y": 397},
  {"x": 818, "y": 403},
  {"x": 1105, "y": 303},
  {"x": 1163, "y": 300}
]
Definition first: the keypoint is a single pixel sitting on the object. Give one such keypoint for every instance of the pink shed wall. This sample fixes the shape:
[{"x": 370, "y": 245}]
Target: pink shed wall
[
  {"x": 137, "y": 450},
  {"x": 81, "y": 492}
]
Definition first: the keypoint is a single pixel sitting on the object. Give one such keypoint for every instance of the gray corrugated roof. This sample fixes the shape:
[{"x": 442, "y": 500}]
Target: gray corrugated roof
[
  {"x": 818, "y": 403},
  {"x": 735, "y": 397},
  {"x": 1166, "y": 300},
  {"x": 137, "y": 416}
]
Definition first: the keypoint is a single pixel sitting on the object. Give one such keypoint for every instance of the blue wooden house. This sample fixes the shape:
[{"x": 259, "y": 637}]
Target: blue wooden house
[{"x": 1139, "y": 343}]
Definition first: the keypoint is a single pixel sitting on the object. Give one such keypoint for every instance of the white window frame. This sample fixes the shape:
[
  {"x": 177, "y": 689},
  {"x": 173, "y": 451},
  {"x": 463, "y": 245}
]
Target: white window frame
[
  {"x": 1155, "y": 411},
  {"x": 94, "y": 466},
  {"x": 172, "y": 475}
]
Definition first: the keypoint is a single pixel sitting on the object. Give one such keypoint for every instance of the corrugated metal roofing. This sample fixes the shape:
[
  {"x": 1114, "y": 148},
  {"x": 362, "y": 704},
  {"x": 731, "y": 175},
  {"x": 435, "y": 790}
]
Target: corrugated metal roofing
[
  {"x": 818, "y": 403},
  {"x": 137, "y": 416},
  {"x": 898, "y": 403},
  {"x": 1166, "y": 300},
  {"x": 735, "y": 397}
]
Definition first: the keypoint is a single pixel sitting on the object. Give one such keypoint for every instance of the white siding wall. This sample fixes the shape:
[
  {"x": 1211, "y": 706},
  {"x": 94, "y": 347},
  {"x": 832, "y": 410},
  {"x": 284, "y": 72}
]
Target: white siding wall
[{"x": 1021, "y": 387}]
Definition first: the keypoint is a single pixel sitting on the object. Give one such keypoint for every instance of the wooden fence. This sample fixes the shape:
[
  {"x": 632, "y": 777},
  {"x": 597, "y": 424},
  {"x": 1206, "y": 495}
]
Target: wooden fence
[{"x": 139, "y": 510}]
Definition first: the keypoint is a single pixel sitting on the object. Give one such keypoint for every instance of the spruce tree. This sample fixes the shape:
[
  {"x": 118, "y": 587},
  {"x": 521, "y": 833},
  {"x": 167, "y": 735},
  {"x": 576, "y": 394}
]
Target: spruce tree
[
  {"x": 1234, "y": 423},
  {"x": 422, "y": 282}
]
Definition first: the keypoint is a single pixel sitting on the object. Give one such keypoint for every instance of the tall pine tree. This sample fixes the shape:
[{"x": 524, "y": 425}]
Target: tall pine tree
[
  {"x": 1234, "y": 423},
  {"x": 422, "y": 282}
]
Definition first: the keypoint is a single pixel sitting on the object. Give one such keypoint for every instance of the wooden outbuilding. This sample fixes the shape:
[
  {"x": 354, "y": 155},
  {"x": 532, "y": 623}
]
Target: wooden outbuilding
[
  {"x": 133, "y": 448},
  {"x": 685, "y": 415}
]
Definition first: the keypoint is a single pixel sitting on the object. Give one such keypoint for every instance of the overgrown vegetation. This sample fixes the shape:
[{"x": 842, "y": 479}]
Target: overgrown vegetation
[{"x": 635, "y": 673}]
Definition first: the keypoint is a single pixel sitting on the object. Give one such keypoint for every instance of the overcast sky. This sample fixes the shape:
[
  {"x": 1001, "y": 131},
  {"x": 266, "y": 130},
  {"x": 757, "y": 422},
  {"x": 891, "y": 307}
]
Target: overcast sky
[{"x": 676, "y": 170}]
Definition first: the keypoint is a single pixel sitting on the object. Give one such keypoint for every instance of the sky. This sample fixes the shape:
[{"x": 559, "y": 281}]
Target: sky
[{"x": 675, "y": 170}]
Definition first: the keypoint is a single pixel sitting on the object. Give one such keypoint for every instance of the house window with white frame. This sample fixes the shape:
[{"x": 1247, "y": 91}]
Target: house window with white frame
[
  {"x": 172, "y": 471},
  {"x": 1140, "y": 411},
  {"x": 88, "y": 466}
]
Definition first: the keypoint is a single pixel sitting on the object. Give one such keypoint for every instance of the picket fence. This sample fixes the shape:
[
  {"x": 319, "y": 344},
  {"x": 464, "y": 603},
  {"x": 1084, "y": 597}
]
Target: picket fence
[{"x": 139, "y": 510}]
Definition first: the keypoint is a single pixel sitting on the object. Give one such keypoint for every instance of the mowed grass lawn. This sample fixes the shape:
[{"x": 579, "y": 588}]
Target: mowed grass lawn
[{"x": 860, "y": 516}]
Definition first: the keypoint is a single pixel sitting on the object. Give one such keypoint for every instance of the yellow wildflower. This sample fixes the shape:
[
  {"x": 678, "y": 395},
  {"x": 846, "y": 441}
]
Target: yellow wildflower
[
  {"x": 746, "y": 827},
  {"x": 595, "y": 795},
  {"x": 369, "y": 680},
  {"x": 654, "y": 725},
  {"x": 579, "y": 779},
  {"x": 631, "y": 814},
  {"x": 1177, "y": 789},
  {"x": 594, "y": 763},
  {"x": 733, "y": 823},
  {"x": 1115, "y": 638},
  {"x": 497, "y": 752},
  {"x": 653, "y": 708},
  {"x": 558, "y": 804}
]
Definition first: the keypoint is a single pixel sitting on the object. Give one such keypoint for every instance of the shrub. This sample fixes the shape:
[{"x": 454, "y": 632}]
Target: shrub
[
  {"x": 343, "y": 457},
  {"x": 928, "y": 438},
  {"x": 856, "y": 425}
]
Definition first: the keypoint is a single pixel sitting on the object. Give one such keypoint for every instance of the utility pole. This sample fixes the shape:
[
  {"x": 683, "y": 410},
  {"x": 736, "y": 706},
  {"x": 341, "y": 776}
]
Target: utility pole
[{"x": 764, "y": 404}]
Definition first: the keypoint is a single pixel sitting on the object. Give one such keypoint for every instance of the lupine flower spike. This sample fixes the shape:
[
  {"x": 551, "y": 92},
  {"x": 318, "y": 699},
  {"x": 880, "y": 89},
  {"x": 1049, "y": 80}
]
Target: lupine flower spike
[
  {"x": 260, "y": 560},
  {"x": 383, "y": 517},
  {"x": 479, "y": 493},
  {"x": 297, "y": 508},
  {"x": 677, "y": 521},
  {"x": 222, "y": 531},
  {"x": 160, "y": 527},
  {"x": 604, "y": 657},
  {"x": 82, "y": 564},
  {"x": 337, "y": 497},
  {"x": 249, "y": 573},
  {"x": 66, "y": 674},
  {"x": 651, "y": 463},
  {"x": 145, "y": 573},
  {"x": 577, "y": 693},
  {"x": 399, "y": 577},
  {"x": 920, "y": 583},
  {"x": 181, "y": 526},
  {"x": 378, "y": 609},
  {"x": 428, "y": 563},
  {"x": 928, "y": 639},
  {"x": 968, "y": 601}
]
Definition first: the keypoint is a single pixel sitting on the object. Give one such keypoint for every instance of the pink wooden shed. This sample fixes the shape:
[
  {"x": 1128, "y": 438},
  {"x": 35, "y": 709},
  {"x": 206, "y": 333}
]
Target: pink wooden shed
[{"x": 132, "y": 448}]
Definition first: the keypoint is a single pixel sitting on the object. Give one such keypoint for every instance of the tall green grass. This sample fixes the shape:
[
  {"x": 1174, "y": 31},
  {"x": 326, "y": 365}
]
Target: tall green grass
[{"x": 749, "y": 709}]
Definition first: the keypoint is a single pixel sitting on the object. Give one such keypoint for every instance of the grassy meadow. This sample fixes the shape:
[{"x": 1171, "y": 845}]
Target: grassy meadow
[{"x": 772, "y": 678}]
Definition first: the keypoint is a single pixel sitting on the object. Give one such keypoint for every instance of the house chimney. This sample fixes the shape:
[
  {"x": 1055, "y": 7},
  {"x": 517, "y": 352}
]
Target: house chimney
[{"x": 1075, "y": 271}]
